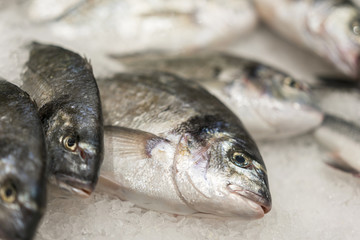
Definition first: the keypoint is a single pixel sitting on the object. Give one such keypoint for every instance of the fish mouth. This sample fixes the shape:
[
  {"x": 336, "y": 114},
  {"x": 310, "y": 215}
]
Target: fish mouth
[
  {"x": 74, "y": 185},
  {"x": 258, "y": 199}
]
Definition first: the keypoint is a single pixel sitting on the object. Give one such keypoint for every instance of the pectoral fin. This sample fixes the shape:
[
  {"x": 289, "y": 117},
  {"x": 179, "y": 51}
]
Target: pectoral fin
[{"x": 129, "y": 143}]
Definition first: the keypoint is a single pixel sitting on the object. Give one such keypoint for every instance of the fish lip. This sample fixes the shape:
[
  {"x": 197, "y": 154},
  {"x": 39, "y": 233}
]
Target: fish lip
[
  {"x": 263, "y": 202},
  {"x": 74, "y": 185}
]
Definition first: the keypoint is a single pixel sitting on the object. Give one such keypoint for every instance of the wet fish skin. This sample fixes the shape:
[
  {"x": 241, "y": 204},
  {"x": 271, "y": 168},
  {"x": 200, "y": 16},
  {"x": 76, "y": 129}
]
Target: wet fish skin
[
  {"x": 342, "y": 139},
  {"x": 62, "y": 84},
  {"x": 330, "y": 28},
  {"x": 171, "y": 126},
  {"x": 269, "y": 102},
  {"x": 22, "y": 164}
]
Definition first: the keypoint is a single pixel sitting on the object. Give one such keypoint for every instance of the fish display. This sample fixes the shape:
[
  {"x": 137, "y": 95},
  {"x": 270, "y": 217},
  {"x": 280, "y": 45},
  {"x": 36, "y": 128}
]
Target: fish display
[
  {"x": 342, "y": 139},
  {"x": 22, "y": 164},
  {"x": 330, "y": 28},
  {"x": 64, "y": 88},
  {"x": 137, "y": 24},
  {"x": 270, "y": 103},
  {"x": 173, "y": 147}
]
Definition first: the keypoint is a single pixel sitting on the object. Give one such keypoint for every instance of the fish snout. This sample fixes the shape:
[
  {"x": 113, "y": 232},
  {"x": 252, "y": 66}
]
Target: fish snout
[
  {"x": 75, "y": 185},
  {"x": 261, "y": 198}
]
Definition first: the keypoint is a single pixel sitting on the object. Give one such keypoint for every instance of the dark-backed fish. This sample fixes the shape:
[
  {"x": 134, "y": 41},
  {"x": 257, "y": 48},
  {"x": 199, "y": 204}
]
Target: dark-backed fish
[
  {"x": 22, "y": 164},
  {"x": 173, "y": 147},
  {"x": 64, "y": 88},
  {"x": 270, "y": 103}
]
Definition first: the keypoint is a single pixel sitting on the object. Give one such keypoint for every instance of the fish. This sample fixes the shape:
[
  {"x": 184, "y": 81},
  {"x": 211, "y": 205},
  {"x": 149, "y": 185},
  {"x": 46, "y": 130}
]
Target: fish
[
  {"x": 22, "y": 164},
  {"x": 342, "y": 139},
  {"x": 62, "y": 84},
  {"x": 356, "y": 2},
  {"x": 171, "y": 146},
  {"x": 271, "y": 103},
  {"x": 138, "y": 24},
  {"x": 329, "y": 28}
]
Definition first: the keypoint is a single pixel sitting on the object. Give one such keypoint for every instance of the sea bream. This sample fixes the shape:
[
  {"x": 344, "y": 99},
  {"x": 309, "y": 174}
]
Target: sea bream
[
  {"x": 342, "y": 139},
  {"x": 64, "y": 88},
  {"x": 173, "y": 147},
  {"x": 330, "y": 28},
  {"x": 22, "y": 164},
  {"x": 270, "y": 103},
  {"x": 138, "y": 24}
]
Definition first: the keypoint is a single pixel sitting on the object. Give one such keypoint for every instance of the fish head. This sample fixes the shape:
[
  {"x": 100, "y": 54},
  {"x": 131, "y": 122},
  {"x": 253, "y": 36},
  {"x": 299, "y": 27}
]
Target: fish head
[
  {"x": 272, "y": 99},
  {"x": 75, "y": 147},
  {"x": 22, "y": 189},
  {"x": 341, "y": 37},
  {"x": 224, "y": 177}
]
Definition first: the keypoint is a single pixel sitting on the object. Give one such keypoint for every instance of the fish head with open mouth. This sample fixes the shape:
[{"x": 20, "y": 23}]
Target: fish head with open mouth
[
  {"x": 22, "y": 190},
  {"x": 223, "y": 175},
  {"x": 75, "y": 146}
]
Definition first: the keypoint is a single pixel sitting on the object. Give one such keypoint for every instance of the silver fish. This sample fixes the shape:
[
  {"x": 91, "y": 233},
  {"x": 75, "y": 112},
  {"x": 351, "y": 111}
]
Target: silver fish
[
  {"x": 62, "y": 84},
  {"x": 173, "y": 147},
  {"x": 269, "y": 102},
  {"x": 137, "y": 24},
  {"x": 342, "y": 139},
  {"x": 330, "y": 28},
  {"x": 356, "y": 2},
  {"x": 22, "y": 164}
]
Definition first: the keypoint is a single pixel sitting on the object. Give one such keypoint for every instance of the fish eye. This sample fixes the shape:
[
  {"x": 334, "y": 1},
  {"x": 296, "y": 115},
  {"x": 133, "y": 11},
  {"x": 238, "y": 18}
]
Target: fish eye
[
  {"x": 70, "y": 143},
  {"x": 216, "y": 71},
  {"x": 240, "y": 160},
  {"x": 288, "y": 81},
  {"x": 8, "y": 192},
  {"x": 355, "y": 26}
]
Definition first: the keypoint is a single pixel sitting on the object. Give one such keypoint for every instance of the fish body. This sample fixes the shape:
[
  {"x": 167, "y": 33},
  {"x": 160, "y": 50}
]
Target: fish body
[
  {"x": 342, "y": 139},
  {"x": 141, "y": 24},
  {"x": 330, "y": 28},
  {"x": 64, "y": 88},
  {"x": 22, "y": 164},
  {"x": 173, "y": 147},
  {"x": 270, "y": 103}
]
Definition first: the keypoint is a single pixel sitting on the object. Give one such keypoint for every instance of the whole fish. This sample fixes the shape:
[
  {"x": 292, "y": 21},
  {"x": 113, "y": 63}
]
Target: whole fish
[
  {"x": 22, "y": 164},
  {"x": 141, "y": 24},
  {"x": 270, "y": 103},
  {"x": 342, "y": 139},
  {"x": 330, "y": 28},
  {"x": 62, "y": 84},
  {"x": 173, "y": 147}
]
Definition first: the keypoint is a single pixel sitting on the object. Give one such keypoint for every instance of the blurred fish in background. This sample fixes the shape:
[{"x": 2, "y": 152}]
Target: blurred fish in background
[
  {"x": 330, "y": 28},
  {"x": 342, "y": 139},
  {"x": 138, "y": 24}
]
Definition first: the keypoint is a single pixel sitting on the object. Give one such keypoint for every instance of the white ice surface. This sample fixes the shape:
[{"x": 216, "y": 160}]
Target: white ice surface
[{"x": 310, "y": 199}]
